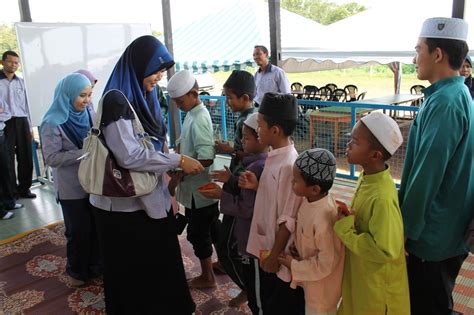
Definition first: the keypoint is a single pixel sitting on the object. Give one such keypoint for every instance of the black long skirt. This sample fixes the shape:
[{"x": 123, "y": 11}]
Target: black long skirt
[{"x": 143, "y": 267}]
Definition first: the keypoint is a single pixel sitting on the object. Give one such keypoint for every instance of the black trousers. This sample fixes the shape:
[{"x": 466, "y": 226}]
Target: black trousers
[
  {"x": 276, "y": 296},
  {"x": 18, "y": 136},
  {"x": 227, "y": 252},
  {"x": 7, "y": 191},
  {"x": 203, "y": 229},
  {"x": 143, "y": 267},
  {"x": 250, "y": 273},
  {"x": 83, "y": 257},
  {"x": 432, "y": 284}
]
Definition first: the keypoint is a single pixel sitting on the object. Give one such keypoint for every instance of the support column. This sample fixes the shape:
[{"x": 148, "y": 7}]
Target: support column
[{"x": 174, "y": 133}]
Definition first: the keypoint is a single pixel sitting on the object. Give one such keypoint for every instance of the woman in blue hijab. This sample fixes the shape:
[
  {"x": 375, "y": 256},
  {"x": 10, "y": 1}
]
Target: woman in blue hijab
[
  {"x": 143, "y": 267},
  {"x": 62, "y": 132}
]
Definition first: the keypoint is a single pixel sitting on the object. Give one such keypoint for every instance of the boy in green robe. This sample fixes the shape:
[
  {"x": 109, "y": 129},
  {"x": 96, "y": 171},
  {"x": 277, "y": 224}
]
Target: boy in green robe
[{"x": 375, "y": 278}]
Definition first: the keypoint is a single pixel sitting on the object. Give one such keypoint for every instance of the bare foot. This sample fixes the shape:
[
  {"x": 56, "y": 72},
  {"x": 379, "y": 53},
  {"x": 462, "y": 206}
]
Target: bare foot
[
  {"x": 218, "y": 268},
  {"x": 239, "y": 299},
  {"x": 202, "y": 283}
]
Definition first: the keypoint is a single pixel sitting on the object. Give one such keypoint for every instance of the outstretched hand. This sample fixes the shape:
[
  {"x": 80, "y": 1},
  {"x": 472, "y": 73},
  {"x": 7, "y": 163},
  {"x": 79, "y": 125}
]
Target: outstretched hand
[
  {"x": 221, "y": 175},
  {"x": 248, "y": 180}
]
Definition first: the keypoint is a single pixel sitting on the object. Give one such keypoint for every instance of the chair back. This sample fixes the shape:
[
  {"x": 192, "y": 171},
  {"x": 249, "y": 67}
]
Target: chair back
[
  {"x": 324, "y": 94},
  {"x": 351, "y": 91},
  {"x": 296, "y": 86},
  {"x": 361, "y": 96},
  {"x": 310, "y": 92},
  {"x": 331, "y": 86},
  {"x": 416, "y": 89},
  {"x": 339, "y": 95}
]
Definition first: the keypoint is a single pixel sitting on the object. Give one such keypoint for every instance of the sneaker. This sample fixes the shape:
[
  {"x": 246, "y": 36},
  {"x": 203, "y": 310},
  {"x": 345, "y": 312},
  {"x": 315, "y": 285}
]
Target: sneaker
[
  {"x": 8, "y": 215},
  {"x": 15, "y": 206}
]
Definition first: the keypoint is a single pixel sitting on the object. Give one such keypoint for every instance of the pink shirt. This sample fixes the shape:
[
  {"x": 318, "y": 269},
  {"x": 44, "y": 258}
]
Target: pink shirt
[
  {"x": 321, "y": 268},
  {"x": 275, "y": 203}
]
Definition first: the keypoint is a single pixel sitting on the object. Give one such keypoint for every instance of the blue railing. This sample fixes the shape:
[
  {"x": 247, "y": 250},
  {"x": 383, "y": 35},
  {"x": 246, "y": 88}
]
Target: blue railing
[{"x": 223, "y": 118}]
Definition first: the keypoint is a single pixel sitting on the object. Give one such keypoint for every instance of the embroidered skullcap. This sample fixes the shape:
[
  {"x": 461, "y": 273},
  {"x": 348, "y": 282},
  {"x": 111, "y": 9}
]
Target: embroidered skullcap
[
  {"x": 251, "y": 121},
  {"x": 385, "y": 129},
  {"x": 180, "y": 83},
  {"x": 447, "y": 28},
  {"x": 279, "y": 106},
  {"x": 318, "y": 164}
]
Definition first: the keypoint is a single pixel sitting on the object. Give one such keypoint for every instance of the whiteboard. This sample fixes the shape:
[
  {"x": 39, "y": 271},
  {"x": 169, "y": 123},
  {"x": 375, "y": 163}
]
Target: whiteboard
[{"x": 50, "y": 51}]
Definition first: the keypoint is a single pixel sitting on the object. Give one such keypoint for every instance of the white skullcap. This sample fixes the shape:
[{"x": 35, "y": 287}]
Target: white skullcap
[
  {"x": 448, "y": 28},
  {"x": 181, "y": 83},
  {"x": 251, "y": 121},
  {"x": 385, "y": 130}
]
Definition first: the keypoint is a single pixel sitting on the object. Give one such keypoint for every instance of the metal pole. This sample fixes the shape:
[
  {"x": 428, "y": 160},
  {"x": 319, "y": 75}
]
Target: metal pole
[
  {"x": 174, "y": 131},
  {"x": 275, "y": 31},
  {"x": 25, "y": 14},
  {"x": 458, "y": 9}
]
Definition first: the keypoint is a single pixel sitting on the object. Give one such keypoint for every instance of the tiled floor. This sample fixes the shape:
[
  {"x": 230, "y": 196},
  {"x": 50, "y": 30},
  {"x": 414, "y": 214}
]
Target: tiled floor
[{"x": 37, "y": 213}]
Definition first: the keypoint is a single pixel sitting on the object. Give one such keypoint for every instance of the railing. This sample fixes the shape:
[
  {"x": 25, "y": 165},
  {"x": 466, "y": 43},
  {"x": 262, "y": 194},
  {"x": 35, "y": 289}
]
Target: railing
[{"x": 321, "y": 124}]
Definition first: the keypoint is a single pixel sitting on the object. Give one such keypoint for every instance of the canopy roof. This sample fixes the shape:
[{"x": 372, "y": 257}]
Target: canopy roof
[{"x": 224, "y": 40}]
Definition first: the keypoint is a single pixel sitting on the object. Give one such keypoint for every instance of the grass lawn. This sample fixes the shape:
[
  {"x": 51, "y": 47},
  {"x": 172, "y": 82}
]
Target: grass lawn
[{"x": 378, "y": 82}]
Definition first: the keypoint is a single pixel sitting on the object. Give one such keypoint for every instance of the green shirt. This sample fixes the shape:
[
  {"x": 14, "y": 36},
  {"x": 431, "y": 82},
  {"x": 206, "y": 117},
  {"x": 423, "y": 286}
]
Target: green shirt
[
  {"x": 437, "y": 188},
  {"x": 196, "y": 141},
  {"x": 375, "y": 277}
]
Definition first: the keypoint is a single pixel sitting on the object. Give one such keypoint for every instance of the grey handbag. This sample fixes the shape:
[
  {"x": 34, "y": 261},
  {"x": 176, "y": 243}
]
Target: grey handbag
[{"x": 99, "y": 173}]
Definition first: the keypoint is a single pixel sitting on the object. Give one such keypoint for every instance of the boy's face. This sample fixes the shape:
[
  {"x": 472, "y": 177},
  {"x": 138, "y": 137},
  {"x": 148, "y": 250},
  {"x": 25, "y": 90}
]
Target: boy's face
[
  {"x": 299, "y": 186},
  {"x": 424, "y": 60},
  {"x": 237, "y": 104},
  {"x": 250, "y": 141},
  {"x": 265, "y": 132},
  {"x": 359, "y": 150},
  {"x": 187, "y": 101}
]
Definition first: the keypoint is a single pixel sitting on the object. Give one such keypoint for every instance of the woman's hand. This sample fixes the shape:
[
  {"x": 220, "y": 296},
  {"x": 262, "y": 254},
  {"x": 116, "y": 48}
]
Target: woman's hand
[
  {"x": 248, "y": 180},
  {"x": 191, "y": 166},
  {"x": 221, "y": 175}
]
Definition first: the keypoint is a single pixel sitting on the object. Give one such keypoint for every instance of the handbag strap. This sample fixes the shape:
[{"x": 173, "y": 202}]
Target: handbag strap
[{"x": 137, "y": 125}]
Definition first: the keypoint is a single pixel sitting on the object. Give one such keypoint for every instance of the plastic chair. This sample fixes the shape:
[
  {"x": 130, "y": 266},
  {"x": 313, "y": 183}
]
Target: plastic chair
[
  {"x": 361, "y": 96},
  {"x": 351, "y": 91},
  {"x": 339, "y": 95},
  {"x": 296, "y": 86},
  {"x": 331, "y": 86},
  {"x": 416, "y": 89},
  {"x": 309, "y": 92},
  {"x": 324, "y": 94}
]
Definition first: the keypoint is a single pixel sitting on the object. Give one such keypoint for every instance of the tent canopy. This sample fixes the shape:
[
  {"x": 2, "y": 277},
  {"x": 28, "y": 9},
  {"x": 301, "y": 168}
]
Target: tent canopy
[{"x": 224, "y": 40}]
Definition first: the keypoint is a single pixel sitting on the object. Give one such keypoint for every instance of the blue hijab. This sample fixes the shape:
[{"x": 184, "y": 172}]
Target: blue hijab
[
  {"x": 143, "y": 57},
  {"x": 62, "y": 112}
]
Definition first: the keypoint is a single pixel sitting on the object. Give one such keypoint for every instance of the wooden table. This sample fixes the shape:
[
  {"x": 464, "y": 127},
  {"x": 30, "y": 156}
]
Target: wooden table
[{"x": 336, "y": 115}]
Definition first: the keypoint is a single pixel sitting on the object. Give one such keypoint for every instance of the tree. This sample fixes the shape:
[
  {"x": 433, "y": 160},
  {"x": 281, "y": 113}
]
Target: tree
[
  {"x": 7, "y": 38},
  {"x": 322, "y": 11}
]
